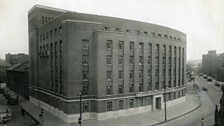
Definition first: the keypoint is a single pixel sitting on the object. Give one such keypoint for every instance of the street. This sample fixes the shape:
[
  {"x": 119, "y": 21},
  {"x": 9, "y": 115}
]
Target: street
[
  {"x": 17, "y": 118},
  {"x": 208, "y": 99}
]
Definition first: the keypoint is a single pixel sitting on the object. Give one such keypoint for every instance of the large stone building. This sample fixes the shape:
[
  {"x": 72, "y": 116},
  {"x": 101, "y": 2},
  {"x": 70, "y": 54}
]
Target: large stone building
[
  {"x": 213, "y": 65},
  {"x": 120, "y": 65},
  {"x": 16, "y": 58}
]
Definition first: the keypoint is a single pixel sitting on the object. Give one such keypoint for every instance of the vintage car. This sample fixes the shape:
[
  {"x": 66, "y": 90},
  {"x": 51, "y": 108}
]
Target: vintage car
[{"x": 5, "y": 114}]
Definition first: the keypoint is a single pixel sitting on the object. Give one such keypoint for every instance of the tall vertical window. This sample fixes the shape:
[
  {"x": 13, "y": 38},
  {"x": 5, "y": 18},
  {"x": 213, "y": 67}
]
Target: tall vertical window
[
  {"x": 120, "y": 59},
  {"x": 60, "y": 30},
  {"x": 131, "y": 103},
  {"x": 121, "y": 45},
  {"x": 120, "y": 74},
  {"x": 85, "y": 64},
  {"x": 131, "y": 46},
  {"x": 109, "y": 59},
  {"x": 141, "y": 46},
  {"x": 109, "y": 75},
  {"x": 121, "y": 104},
  {"x": 61, "y": 69},
  {"x": 109, "y": 44},
  {"x": 85, "y": 44},
  {"x": 131, "y": 59}
]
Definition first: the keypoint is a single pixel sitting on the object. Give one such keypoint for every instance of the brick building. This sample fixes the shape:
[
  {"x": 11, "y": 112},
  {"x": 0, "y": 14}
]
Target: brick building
[
  {"x": 120, "y": 65},
  {"x": 16, "y": 58},
  {"x": 213, "y": 65}
]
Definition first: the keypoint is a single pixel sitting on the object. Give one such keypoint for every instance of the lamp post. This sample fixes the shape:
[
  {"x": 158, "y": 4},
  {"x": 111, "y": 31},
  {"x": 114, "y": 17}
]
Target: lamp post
[
  {"x": 80, "y": 112},
  {"x": 165, "y": 101}
]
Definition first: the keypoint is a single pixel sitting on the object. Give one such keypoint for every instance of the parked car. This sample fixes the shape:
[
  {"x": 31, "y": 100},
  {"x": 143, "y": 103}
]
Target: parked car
[
  {"x": 204, "y": 89},
  {"x": 217, "y": 84},
  {"x": 205, "y": 76},
  {"x": 5, "y": 113},
  {"x": 209, "y": 79}
]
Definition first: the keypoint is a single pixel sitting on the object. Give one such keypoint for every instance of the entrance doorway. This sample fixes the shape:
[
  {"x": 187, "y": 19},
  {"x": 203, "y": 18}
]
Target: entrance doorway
[{"x": 158, "y": 103}]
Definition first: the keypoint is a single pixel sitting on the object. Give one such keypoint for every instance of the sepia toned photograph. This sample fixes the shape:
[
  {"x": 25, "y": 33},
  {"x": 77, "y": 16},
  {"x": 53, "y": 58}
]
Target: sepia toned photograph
[{"x": 112, "y": 63}]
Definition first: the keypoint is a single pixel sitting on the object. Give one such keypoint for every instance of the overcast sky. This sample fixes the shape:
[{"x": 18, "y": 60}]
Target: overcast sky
[{"x": 201, "y": 20}]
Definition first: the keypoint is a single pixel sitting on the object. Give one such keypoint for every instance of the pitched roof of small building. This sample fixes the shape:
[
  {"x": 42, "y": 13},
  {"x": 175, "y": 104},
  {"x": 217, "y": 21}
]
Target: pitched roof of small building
[{"x": 20, "y": 67}]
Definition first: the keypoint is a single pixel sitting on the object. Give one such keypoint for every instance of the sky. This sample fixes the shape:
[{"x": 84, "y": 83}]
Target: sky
[{"x": 201, "y": 20}]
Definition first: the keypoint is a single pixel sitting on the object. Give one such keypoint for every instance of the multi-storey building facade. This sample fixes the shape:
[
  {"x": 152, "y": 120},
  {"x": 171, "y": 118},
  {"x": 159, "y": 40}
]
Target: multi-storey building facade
[
  {"x": 120, "y": 66},
  {"x": 213, "y": 64},
  {"x": 16, "y": 58}
]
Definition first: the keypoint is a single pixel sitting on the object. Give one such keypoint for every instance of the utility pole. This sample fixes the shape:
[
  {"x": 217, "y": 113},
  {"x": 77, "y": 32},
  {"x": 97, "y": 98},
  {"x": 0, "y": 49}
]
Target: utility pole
[{"x": 80, "y": 112}]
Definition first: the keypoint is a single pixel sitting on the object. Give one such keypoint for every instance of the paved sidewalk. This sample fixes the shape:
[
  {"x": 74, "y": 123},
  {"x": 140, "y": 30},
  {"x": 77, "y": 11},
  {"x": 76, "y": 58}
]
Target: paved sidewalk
[{"x": 144, "y": 119}]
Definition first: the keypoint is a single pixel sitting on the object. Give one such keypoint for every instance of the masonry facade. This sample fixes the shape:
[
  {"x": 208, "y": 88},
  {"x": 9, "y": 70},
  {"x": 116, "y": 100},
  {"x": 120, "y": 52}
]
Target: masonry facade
[
  {"x": 121, "y": 66},
  {"x": 213, "y": 65}
]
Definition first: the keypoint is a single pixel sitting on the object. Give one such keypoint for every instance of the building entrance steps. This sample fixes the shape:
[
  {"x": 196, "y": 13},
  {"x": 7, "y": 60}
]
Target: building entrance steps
[{"x": 145, "y": 119}]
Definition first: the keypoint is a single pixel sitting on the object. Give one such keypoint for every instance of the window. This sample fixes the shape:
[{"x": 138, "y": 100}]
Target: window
[
  {"x": 131, "y": 46},
  {"x": 131, "y": 74},
  {"x": 149, "y": 100},
  {"x": 60, "y": 30},
  {"x": 47, "y": 36},
  {"x": 85, "y": 75},
  {"x": 121, "y": 104},
  {"x": 50, "y": 33},
  {"x": 109, "y": 105},
  {"x": 159, "y": 35},
  {"x": 109, "y": 90},
  {"x": 106, "y": 28},
  {"x": 140, "y": 102},
  {"x": 131, "y": 88},
  {"x": 140, "y": 86},
  {"x": 120, "y": 45},
  {"x": 109, "y": 75},
  {"x": 157, "y": 86},
  {"x": 109, "y": 59},
  {"x": 55, "y": 32},
  {"x": 120, "y": 89},
  {"x": 128, "y": 30},
  {"x": 146, "y": 33},
  {"x": 131, "y": 103},
  {"x": 109, "y": 44},
  {"x": 131, "y": 60},
  {"x": 149, "y": 59},
  {"x": 140, "y": 73},
  {"x": 140, "y": 60},
  {"x": 85, "y": 107},
  {"x": 120, "y": 75},
  {"x": 118, "y": 29},
  {"x": 141, "y": 46},
  {"x": 85, "y": 60},
  {"x": 120, "y": 59},
  {"x": 85, "y": 87},
  {"x": 137, "y": 31},
  {"x": 149, "y": 86},
  {"x": 85, "y": 44}
]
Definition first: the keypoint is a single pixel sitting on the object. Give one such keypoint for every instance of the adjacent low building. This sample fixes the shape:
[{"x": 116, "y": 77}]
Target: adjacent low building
[
  {"x": 120, "y": 66},
  {"x": 3, "y": 67},
  {"x": 18, "y": 79}
]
